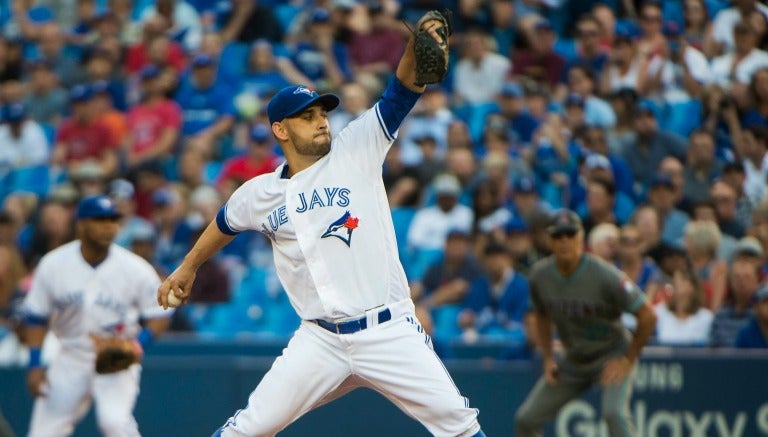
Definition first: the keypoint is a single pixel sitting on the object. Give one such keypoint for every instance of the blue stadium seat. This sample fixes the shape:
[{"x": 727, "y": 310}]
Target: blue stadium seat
[
  {"x": 50, "y": 134},
  {"x": 566, "y": 48},
  {"x": 234, "y": 59},
  {"x": 401, "y": 219},
  {"x": 30, "y": 179},
  {"x": 211, "y": 171}
]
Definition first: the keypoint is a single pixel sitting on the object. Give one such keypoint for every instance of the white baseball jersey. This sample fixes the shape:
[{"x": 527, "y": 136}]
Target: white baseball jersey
[
  {"x": 336, "y": 255},
  {"x": 79, "y": 299},
  {"x": 330, "y": 225}
]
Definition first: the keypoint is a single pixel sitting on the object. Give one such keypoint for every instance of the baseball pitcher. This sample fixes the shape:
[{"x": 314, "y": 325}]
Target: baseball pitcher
[{"x": 326, "y": 212}]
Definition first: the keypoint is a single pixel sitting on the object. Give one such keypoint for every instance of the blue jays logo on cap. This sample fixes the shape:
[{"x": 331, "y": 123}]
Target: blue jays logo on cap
[
  {"x": 97, "y": 207},
  {"x": 342, "y": 228},
  {"x": 291, "y": 100}
]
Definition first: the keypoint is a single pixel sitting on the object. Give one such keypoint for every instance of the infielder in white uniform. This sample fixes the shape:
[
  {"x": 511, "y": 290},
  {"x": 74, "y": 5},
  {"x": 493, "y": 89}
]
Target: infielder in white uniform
[
  {"x": 327, "y": 215},
  {"x": 84, "y": 292}
]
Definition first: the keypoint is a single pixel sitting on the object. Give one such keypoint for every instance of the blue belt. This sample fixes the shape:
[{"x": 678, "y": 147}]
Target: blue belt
[{"x": 352, "y": 326}]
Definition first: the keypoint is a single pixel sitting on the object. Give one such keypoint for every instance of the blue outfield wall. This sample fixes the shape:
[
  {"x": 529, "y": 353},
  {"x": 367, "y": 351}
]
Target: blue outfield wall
[{"x": 189, "y": 389}]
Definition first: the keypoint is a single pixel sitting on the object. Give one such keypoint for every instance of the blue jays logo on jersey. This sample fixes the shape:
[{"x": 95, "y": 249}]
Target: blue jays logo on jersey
[{"x": 342, "y": 228}]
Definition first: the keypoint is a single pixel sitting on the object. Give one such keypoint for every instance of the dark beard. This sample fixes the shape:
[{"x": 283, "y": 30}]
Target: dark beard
[{"x": 313, "y": 147}]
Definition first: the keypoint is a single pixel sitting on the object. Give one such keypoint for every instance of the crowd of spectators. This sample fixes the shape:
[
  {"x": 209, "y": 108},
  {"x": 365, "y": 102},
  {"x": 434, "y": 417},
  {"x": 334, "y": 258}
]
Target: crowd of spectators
[{"x": 649, "y": 119}]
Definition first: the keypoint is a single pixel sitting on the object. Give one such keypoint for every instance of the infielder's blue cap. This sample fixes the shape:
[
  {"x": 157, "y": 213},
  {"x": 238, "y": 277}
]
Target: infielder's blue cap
[
  {"x": 291, "y": 100},
  {"x": 97, "y": 207}
]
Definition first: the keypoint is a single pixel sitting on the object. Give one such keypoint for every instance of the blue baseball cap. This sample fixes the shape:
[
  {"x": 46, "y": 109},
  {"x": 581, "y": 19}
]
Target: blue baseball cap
[
  {"x": 291, "y": 100},
  {"x": 574, "y": 99},
  {"x": 511, "y": 89},
  {"x": 14, "y": 113},
  {"x": 321, "y": 15},
  {"x": 544, "y": 24},
  {"x": 260, "y": 132},
  {"x": 202, "y": 60},
  {"x": 80, "y": 93},
  {"x": 525, "y": 184},
  {"x": 100, "y": 87},
  {"x": 661, "y": 180},
  {"x": 516, "y": 225},
  {"x": 150, "y": 71},
  {"x": 99, "y": 206},
  {"x": 647, "y": 107}
]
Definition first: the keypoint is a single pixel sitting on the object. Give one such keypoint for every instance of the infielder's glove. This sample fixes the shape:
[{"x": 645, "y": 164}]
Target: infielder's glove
[
  {"x": 116, "y": 354},
  {"x": 432, "y": 56}
]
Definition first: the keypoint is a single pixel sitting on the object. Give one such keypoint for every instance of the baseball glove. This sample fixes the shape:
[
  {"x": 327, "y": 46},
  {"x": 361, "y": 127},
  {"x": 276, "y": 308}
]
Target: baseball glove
[
  {"x": 432, "y": 56},
  {"x": 116, "y": 354}
]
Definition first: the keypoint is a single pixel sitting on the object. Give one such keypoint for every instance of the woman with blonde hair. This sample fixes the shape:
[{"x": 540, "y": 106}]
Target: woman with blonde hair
[{"x": 702, "y": 241}]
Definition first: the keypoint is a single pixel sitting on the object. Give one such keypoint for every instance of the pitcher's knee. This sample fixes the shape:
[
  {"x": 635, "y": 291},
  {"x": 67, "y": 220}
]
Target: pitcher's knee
[{"x": 116, "y": 425}]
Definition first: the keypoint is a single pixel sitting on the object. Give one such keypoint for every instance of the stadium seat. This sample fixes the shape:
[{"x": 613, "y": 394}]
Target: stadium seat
[
  {"x": 401, "y": 219},
  {"x": 30, "y": 179}
]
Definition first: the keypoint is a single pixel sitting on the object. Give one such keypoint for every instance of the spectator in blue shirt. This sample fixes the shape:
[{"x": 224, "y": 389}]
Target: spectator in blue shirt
[
  {"x": 207, "y": 105},
  {"x": 318, "y": 56},
  {"x": 512, "y": 110},
  {"x": 755, "y": 333},
  {"x": 263, "y": 76},
  {"x": 497, "y": 302}
]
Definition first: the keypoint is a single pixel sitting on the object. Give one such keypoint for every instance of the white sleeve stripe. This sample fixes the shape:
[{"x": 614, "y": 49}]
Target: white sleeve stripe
[{"x": 381, "y": 123}]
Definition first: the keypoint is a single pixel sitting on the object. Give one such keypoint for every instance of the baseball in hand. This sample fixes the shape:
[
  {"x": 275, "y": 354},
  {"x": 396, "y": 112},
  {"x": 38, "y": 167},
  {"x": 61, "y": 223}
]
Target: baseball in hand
[{"x": 173, "y": 301}]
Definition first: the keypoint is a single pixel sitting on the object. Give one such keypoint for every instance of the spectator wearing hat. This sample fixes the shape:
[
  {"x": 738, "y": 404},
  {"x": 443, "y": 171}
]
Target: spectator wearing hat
[
  {"x": 45, "y": 99},
  {"x": 432, "y": 159},
  {"x": 259, "y": 159},
  {"x": 497, "y": 302},
  {"x": 540, "y": 63},
  {"x": 575, "y": 114},
  {"x": 650, "y": 147},
  {"x": 661, "y": 196},
  {"x": 184, "y": 21},
  {"x": 589, "y": 51},
  {"x": 123, "y": 193},
  {"x": 106, "y": 76},
  {"x": 154, "y": 124},
  {"x": 431, "y": 225},
  {"x": 595, "y": 141},
  {"x": 754, "y": 335},
  {"x": 673, "y": 168},
  {"x": 490, "y": 213},
  {"x": 734, "y": 69},
  {"x": 318, "y": 55},
  {"x": 22, "y": 141},
  {"x": 677, "y": 75},
  {"x": 701, "y": 166},
  {"x": 82, "y": 137},
  {"x": 526, "y": 202},
  {"x": 726, "y": 20},
  {"x": 114, "y": 119},
  {"x": 168, "y": 213},
  {"x": 431, "y": 115},
  {"x": 208, "y": 112},
  {"x": 734, "y": 310},
  {"x": 519, "y": 242},
  {"x": 582, "y": 80},
  {"x": 480, "y": 72},
  {"x": 513, "y": 112},
  {"x": 622, "y": 70}
]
